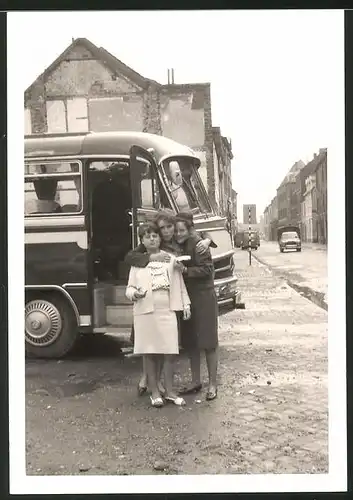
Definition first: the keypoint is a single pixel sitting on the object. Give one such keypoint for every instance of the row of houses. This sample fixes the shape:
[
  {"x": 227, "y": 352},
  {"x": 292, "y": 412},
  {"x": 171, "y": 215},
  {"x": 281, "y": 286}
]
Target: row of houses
[
  {"x": 87, "y": 88},
  {"x": 301, "y": 200}
]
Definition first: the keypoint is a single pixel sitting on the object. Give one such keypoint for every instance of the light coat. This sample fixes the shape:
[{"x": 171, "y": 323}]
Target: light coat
[{"x": 141, "y": 277}]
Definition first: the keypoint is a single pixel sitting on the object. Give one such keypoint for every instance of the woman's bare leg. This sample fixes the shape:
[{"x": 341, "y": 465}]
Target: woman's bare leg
[
  {"x": 169, "y": 375},
  {"x": 212, "y": 364},
  {"x": 160, "y": 365},
  {"x": 144, "y": 379},
  {"x": 195, "y": 366},
  {"x": 151, "y": 368}
]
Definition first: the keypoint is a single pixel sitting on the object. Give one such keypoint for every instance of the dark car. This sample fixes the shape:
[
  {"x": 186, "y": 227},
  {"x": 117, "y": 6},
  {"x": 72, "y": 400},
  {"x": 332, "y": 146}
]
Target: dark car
[
  {"x": 253, "y": 242},
  {"x": 289, "y": 239},
  {"x": 239, "y": 236}
]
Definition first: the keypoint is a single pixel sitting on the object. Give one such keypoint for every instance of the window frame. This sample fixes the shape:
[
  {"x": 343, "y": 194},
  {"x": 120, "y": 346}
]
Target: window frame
[
  {"x": 203, "y": 192},
  {"x": 156, "y": 195},
  {"x": 62, "y": 175}
]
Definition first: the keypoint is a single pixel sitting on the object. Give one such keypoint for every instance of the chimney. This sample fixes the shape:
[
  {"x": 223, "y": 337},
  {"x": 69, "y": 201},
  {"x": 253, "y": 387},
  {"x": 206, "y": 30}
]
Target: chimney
[
  {"x": 172, "y": 76},
  {"x": 168, "y": 77}
]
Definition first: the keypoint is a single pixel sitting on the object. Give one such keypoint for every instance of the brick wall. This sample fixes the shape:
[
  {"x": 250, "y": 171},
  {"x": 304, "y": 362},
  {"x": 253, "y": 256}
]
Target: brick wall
[
  {"x": 116, "y": 113},
  {"x": 283, "y": 204},
  {"x": 75, "y": 77},
  {"x": 152, "y": 110},
  {"x": 36, "y": 106},
  {"x": 201, "y": 154},
  {"x": 208, "y": 144},
  {"x": 180, "y": 121},
  {"x": 217, "y": 183},
  {"x": 321, "y": 189}
]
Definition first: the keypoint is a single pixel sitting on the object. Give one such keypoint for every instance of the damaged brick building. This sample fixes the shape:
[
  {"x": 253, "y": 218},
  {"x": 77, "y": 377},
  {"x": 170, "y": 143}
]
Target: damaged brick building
[{"x": 88, "y": 89}]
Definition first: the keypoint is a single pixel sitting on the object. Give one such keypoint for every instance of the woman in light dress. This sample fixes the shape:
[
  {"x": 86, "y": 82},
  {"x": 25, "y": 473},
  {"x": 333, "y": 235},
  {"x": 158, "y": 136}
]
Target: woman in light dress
[
  {"x": 158, "y": 292},
  {"x": 138, "y": 257}
]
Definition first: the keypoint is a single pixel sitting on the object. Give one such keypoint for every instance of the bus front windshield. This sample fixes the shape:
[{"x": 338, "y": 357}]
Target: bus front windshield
[{"x": 185, "y": 186}]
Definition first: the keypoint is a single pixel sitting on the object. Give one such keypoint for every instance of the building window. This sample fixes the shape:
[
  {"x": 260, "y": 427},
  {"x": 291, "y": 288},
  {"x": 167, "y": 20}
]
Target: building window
[
  {"x": 77, "y": 115},
  {"x": 67, "y": 116},
  {"x": 52, "y": 188},
  {"x": 56, "y": 117}
]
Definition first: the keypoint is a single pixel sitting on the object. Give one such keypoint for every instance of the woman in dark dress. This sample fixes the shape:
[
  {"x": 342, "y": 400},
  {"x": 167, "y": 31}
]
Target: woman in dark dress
[
  {"x": 200, "y": 333},
  {"x": 138, "y": 257}
]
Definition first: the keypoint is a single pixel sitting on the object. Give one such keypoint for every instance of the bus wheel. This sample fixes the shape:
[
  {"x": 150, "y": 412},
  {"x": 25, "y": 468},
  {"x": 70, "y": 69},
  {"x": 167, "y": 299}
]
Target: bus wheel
[{"x": 50, "y": 326}]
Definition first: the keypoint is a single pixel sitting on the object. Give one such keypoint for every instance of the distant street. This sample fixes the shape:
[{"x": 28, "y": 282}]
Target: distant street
[
  {"x": 306, "y": 269},
  {"x": 83, "y": 415}
]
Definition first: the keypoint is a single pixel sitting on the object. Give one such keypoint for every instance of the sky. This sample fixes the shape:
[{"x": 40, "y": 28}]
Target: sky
[{"x": 273, "y": 74}]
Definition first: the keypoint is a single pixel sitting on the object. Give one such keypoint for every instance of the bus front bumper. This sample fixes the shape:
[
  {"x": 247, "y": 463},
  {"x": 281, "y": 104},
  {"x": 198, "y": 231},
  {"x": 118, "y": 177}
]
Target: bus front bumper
[{"x": 228, "y": 293}]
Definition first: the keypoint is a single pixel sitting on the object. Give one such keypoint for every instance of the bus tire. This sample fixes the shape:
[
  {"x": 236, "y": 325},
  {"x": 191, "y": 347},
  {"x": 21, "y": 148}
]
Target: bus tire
[{"x": 51, "y": 329}]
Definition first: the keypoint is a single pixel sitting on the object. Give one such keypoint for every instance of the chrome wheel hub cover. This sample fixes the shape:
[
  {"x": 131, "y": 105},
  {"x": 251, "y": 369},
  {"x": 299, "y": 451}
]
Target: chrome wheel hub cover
[{"x": 43, "y": 322}]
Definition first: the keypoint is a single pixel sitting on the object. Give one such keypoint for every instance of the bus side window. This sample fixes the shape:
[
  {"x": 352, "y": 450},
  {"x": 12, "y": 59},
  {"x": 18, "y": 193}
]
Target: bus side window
[{"x": 52, "y": 188}]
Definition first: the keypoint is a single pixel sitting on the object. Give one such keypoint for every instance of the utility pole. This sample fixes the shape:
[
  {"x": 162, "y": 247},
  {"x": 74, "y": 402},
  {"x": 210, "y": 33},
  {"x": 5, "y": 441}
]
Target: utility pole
[{"x": 249, "y": 236}]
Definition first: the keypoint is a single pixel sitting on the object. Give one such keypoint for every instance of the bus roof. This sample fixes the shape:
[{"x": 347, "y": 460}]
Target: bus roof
[{"x": 103, "y": 143}]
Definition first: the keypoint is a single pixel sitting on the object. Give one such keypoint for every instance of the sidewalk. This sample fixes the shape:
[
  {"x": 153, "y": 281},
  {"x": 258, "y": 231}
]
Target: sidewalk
[{"x": 315, "y": 246}]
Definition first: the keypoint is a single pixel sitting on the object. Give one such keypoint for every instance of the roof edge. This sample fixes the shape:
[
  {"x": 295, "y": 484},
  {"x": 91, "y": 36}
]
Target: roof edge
[{"x": 109, "y": 60}]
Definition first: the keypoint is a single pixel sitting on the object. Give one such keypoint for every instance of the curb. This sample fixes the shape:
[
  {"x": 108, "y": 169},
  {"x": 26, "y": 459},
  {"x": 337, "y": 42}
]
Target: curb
[{"x": 314, "y": 296}]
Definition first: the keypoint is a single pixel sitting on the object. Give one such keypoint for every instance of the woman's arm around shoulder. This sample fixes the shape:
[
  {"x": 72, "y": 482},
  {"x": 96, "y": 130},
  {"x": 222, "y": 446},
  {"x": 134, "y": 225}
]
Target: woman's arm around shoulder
[
  {"x": 137, "y": 257},
  {"x": 202, "y": 264}
]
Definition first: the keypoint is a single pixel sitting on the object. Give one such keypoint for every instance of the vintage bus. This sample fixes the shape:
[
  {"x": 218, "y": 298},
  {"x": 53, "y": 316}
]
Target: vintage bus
[{"x": 85, "y": 195}]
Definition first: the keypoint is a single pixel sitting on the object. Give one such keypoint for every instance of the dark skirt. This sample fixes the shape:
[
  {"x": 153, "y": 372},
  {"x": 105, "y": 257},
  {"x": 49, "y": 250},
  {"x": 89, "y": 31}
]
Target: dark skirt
[{"x": 201, "y": 330}]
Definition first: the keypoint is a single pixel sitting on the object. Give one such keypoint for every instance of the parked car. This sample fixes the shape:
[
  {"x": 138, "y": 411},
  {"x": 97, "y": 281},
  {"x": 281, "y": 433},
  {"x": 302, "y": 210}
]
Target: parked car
[
  {"x": 239, "y": 236},
  {"x": 289, "y": 238},
  {"x": 255, "y": 240}
]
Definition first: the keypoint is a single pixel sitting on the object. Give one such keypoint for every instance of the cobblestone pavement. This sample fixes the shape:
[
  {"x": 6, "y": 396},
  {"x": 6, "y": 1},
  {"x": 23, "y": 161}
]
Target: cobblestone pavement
[
  {"x": 84, "y": 417},
  {"x": 308, "y": 269}
]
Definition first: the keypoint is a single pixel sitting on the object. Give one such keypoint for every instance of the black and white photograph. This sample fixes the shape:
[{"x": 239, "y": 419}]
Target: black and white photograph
[{"x": 179, "y": 251}]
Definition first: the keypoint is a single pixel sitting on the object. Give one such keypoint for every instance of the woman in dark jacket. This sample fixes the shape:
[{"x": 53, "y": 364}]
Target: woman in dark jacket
[
  {"x": 138, "y": 257},
  {"x": 200, "y": 333}
]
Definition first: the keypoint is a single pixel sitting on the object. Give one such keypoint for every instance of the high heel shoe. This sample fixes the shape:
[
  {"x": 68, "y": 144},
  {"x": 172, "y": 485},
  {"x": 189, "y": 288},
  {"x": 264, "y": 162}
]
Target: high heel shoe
[
  {"x": 177, "y": 401},
  {"x": 156, "y": 402}
]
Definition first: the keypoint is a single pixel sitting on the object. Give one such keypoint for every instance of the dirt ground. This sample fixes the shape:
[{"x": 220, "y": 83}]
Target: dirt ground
[{"x": 83, "y": 415}]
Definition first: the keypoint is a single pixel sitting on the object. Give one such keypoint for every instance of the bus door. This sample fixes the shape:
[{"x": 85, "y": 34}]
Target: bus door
[{"x": 146, "y": 189}]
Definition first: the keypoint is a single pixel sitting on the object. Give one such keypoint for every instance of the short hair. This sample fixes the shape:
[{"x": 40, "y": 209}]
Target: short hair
[
  {"x": 168, "y": 215},
  {"x": 185, "y": 220},
  {"x": 146, "y": 228},
  {"x": 186, "y": 217}
]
